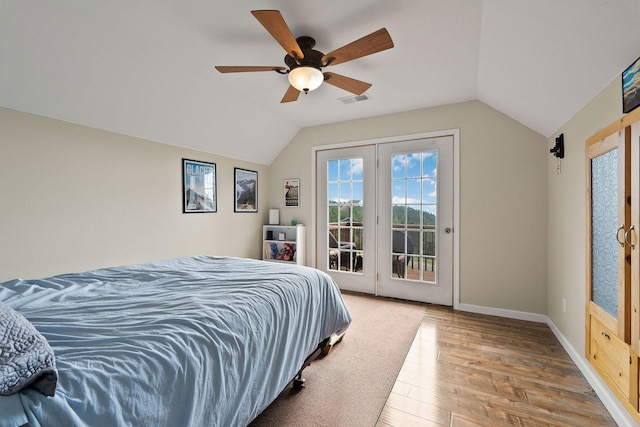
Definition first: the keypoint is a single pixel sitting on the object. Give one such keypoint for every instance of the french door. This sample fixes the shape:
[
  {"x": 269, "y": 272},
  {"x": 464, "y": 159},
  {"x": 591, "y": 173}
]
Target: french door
[
  {"x": 384, "y": 216},
  {"x": 415, "y": 230},
  {"x": 346, "y": 216}
]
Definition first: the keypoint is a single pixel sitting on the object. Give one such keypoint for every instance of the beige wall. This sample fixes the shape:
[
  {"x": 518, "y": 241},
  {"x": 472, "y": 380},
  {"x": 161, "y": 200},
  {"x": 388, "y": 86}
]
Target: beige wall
[
  {"x": 74, "y": 198},
  {"x": 503, "y": 200},
  {"x": 567, "y": 207}
]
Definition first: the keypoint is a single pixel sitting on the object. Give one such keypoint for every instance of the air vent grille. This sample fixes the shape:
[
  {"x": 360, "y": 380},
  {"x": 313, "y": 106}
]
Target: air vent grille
[{"x": 355, "y": 98}]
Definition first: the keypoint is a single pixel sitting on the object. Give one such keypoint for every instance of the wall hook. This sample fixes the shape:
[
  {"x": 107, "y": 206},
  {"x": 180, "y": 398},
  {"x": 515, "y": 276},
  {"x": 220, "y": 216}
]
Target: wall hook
[{"x": 558, "y": 149}]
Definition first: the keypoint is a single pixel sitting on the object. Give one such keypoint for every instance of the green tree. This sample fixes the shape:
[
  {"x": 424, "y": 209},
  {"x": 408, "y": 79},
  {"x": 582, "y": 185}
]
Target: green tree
[{"x": 413, "y": 216}]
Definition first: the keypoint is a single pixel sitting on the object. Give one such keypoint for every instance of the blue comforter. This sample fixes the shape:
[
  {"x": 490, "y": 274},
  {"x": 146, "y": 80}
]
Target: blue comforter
[{"x": 200, "y": 341}]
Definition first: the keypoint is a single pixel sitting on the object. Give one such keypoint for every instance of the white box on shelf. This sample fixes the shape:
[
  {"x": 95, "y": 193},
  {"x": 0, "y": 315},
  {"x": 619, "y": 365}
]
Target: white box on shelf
[{"x": 274, "y": 217}]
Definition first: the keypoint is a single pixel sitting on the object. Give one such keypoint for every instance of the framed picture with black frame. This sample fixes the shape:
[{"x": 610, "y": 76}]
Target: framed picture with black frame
[
  {"x": 631, "y": 87},
  {"x": 198, "y": 187},
  {"x": 246, "y": 190},
  {"x": 291, "y": 188}
]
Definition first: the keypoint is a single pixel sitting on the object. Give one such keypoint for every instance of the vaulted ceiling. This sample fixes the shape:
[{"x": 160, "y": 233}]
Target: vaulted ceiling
[{"x": 146, "y": 67}]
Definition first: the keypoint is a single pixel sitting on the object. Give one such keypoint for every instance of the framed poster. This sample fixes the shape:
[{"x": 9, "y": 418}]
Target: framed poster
[
  {"x": 292, "y": 193},
  {"x": 631, "y": 87},
  {"x": 198, "y": 187},
  {"x": 246, "y": 182}
]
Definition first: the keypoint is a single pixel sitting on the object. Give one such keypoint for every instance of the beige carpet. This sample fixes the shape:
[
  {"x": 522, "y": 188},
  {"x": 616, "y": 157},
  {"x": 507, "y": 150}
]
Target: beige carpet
[{"x": 350, "y": 386}]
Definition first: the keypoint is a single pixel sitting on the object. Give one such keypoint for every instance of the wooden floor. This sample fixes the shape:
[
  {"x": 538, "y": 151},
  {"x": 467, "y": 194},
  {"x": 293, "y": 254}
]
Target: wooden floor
[{"x": 466, "y": 369}]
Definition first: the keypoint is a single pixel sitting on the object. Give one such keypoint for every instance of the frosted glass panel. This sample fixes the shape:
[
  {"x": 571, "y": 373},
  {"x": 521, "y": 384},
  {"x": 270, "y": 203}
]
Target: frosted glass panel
[{"x": 604, "y": 224}]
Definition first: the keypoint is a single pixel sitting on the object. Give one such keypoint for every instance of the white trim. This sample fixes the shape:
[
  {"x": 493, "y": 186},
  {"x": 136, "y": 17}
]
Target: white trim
[
  {"x": 456, "y": 192},
  {"x": 311, "y": 259},
  {"x": 456, "y": 218},
  {"x": 608, "y": 398},
  {"x": 501, "y": 312}
]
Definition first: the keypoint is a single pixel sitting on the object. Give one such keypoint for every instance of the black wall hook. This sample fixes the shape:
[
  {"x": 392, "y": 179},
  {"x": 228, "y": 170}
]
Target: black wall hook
[{"x": 558, "y": 149}]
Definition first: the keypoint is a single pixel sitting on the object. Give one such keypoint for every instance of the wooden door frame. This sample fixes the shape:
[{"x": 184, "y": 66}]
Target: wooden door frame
[
  {"x": 621, "y": 141},
  {"x": 616, "y": 136},
  {"x": 630, "y": 124}
]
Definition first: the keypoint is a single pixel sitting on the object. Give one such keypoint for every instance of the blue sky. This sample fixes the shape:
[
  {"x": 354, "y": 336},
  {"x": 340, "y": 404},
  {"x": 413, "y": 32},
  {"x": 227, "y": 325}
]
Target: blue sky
[{"x": 414, "y": 180}]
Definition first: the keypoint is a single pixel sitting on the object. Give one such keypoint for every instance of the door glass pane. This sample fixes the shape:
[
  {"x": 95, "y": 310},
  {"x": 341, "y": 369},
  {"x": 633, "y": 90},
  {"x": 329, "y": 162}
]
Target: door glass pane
[
  {"x": 429, "y": 194},
  {"x": 413, "y": 212},
  {"x": 399, "y": 215},
  {"x": 604, "y": 225},
  {"x": 345, "y": 184},
  {"x": 413, "y": 166}
]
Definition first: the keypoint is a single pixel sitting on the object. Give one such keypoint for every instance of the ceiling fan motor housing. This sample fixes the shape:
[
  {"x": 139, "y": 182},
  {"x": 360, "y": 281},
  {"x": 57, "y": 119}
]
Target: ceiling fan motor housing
[{"x": 312, "y": 57}]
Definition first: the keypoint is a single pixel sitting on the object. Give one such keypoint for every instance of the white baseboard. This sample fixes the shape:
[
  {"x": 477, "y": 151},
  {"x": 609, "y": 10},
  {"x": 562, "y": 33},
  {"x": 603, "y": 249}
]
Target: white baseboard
[
  {"x": 608, "y": 398},
  {"x": 501, "y": 312}
]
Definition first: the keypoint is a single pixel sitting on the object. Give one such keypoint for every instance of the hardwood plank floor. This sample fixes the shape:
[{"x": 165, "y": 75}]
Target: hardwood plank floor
[{"x": 467, "y": 369}]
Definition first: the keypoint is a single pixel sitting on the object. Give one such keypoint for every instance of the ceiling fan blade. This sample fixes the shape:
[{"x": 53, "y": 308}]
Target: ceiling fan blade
[
  {"x": 347, "y": 83},
  {"x": 291, "y": 95},
  {"x": 273, "y": 21},
  {"x": 375, "y": 42},
  {"x": 244, "y": 69}
]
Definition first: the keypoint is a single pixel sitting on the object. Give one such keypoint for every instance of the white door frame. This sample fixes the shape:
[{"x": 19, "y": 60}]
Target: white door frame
[{"x": 456, "y": 193}]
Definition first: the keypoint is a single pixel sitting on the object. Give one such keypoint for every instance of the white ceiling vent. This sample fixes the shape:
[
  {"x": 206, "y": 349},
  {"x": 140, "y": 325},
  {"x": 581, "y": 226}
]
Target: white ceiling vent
[{"x": 355, "y": 98}]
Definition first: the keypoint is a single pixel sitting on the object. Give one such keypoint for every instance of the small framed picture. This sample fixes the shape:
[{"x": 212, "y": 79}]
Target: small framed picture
[
  {"x": 246, "y": 186},
  {"x": 198, "y": 187},
  {"x": 631, "y": 87},
  {"x": 282, "y": 236},
  {"x": 292, "y": 192}
]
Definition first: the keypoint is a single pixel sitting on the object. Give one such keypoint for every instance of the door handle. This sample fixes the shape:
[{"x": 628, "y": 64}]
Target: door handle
[
  {"x": 618, "y": 235},
  {"x": 448, "y": 230},
  {"x": 626, "y": 237}
]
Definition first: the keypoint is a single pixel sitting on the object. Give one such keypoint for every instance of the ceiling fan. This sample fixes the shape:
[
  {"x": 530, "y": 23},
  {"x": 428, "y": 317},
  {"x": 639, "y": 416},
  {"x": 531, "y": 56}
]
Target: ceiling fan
[{"x": 305, "y": 64}]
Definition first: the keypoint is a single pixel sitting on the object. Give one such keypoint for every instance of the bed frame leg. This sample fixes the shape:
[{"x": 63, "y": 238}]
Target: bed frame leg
[{"x": 298, "y": 381}]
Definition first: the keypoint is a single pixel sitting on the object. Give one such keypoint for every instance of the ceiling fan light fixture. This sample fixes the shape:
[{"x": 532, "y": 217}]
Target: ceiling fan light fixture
[{"x": 305, "y": 78}]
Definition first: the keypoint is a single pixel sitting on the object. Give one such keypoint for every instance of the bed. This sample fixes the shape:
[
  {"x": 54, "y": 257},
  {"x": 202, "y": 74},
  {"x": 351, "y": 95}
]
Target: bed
[{"x": 194, "y": 341}]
